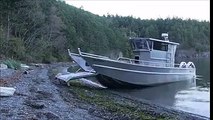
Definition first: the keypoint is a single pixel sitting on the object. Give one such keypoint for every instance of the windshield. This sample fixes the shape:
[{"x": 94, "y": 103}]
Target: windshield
[
  {"x": 160, "y": 46},
  {"x": 141, "y": 44}
]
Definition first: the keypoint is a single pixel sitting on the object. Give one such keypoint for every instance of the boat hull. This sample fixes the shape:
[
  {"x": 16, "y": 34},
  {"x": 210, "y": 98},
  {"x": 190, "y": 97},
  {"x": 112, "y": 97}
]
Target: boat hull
[
  {"x": 141, "y": 78},
  {"x": 134, "y": 74},
  {"x": 114, "y": 83},
  {"x": 80, "y": 61}
]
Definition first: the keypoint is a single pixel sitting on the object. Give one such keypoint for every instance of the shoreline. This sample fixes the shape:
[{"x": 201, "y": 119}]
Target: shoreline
[
  {"x": 40, "y": 96},
  {"x": 191, "y": 54}
]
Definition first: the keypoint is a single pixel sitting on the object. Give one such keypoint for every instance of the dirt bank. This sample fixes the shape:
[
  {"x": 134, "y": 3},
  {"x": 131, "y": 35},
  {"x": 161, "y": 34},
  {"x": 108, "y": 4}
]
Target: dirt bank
[{"x": 40, "y": 96}]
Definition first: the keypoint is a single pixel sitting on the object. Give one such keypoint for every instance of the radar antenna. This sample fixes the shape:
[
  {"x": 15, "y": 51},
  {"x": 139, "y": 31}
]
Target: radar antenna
[{"x": 165, "y": 36}]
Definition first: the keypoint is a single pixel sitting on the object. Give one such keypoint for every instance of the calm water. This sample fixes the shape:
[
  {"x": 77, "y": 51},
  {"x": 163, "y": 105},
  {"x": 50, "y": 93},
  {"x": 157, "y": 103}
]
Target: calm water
[{"x": 191, "y": 96}]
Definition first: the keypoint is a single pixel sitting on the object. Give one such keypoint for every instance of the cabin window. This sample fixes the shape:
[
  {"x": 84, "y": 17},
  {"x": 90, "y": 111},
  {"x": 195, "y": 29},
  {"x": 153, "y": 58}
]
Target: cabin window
[
  {"x": 141, "y": 44},
  {"x": 160, "y": 46},
  {"x": 132, "y": 45},
  {"x": 136, "y": 59},
  {"x": 150, "y": 44},
  {"x": 86, "y": 64}
]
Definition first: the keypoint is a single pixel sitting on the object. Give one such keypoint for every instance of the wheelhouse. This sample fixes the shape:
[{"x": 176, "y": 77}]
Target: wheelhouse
[{"x": 156, "y": 51}]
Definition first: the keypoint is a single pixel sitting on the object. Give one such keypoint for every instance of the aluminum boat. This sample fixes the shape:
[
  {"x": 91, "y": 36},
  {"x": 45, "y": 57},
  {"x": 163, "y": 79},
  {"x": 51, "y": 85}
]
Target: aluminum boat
[{"x": 153, "y": 64}]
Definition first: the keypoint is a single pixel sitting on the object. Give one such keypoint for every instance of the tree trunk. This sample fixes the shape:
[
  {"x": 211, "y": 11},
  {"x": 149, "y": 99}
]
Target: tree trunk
[{"x": 8, "y": 26}]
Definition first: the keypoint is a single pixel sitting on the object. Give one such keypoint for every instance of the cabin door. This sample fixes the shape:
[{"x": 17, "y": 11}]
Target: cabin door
[{"x": 169, "y": 57}]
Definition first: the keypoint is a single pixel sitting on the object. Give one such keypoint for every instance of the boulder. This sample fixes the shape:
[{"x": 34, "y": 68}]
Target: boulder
[
  {"x": 24, "y": 66},
  {"x": 7, "y": 91},
  {"x": 3, "y": 66}
]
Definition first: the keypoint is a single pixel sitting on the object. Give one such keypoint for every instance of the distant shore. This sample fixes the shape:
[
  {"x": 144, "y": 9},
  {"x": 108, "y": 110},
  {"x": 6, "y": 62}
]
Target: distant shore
[{"x": 182, "y": 54}]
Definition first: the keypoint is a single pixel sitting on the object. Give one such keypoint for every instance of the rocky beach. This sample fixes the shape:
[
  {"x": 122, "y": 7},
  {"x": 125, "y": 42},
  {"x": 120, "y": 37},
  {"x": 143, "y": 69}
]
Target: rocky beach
[{"x": 39, "y": 95}]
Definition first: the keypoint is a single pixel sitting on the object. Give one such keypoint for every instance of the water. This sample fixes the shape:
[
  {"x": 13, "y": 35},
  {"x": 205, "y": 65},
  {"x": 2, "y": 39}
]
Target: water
[
  {"x": 192, "y": 96},
  {"x": 197, "y": 99}
]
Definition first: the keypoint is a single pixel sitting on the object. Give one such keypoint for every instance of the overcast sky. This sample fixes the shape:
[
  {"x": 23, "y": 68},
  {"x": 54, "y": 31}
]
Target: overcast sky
[{"x": 147, "y": 9}]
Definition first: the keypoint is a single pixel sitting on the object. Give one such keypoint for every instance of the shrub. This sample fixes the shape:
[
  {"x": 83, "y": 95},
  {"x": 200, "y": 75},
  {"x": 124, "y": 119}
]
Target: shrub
[{"x": 13, "y": 64}]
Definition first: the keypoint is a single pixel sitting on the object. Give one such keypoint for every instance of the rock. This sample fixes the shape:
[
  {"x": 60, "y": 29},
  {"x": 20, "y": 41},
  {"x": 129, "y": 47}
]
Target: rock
[
  {"x": 7, "y": 73},
  {"x": 37, "y": 65},
  {"x": 26, "y": 72},
  {"x": 34, "y": 104},
  {"x": 51, "y": 116},
  {"x": 91, "y": 110},
  {"x": 24, "y": 66},
  {"x": 7, "y": 91},
  {"x": 3, "y": 66},
  {"x": 4, "y": 110}
]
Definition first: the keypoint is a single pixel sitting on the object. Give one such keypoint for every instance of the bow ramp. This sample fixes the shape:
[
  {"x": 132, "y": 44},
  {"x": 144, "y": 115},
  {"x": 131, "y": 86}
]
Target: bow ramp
[
  {"x": 72, "y": 76},
  {"x": 88, "y": 71}
]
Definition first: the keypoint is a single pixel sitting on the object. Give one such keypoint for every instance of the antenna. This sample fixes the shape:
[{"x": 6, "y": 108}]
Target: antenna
[{"x": 165, "y": 36}]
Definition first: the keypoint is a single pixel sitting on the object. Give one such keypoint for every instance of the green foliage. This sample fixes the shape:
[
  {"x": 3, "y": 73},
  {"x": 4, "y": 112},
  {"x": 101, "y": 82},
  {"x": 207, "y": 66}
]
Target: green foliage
[
  {"x": 191, "y": 34},
  {"x": 43, "y": 30},
  {"x": 13, "y": 64},
  {"x": 16, "y": 48},
  {"x": 105, "y": 100}
]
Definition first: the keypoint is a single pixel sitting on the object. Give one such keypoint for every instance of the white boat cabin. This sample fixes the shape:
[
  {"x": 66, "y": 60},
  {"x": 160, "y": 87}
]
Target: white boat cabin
[{"x": 155, "y": 52}]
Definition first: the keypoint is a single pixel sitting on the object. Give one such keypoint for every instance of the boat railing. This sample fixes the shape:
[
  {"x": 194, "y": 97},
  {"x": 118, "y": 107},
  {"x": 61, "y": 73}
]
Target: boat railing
[
  {"x": 70, "y": 53},
  {"x": 151, "y": 63},
  {"x": 144, "y": 62},
  {"x": 176, "y": 65},
  {"x": 93, "y": 55},
  {"x": 124, "y": 59},
  {"x": 90, "y": 54}
]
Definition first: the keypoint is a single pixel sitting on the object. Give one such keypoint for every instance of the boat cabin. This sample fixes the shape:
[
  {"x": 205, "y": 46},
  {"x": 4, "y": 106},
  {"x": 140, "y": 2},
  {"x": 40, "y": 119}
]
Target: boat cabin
[{"x": 150, "y": 51}]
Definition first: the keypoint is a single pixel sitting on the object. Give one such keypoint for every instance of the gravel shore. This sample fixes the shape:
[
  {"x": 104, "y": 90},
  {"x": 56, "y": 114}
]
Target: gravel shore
[{"x": 39, "y": 95}]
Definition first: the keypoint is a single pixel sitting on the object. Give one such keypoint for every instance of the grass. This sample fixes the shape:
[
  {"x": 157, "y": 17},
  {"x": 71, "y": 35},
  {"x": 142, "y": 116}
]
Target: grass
[
  {"x": 13, "y": 64},
  {"x": 103, "y": 99}
]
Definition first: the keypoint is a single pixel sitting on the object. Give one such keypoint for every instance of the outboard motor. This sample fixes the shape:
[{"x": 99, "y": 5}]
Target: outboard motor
[
  {"x": 182, "y": 65},
  {"x": 190, "y": 65}
]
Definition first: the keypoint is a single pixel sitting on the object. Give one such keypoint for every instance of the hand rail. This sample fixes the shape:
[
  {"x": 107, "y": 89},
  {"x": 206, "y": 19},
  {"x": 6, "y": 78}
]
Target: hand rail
[
  {"x": 94, "y": 55},
  {"x": 132, "y": 61},
  {"x": 144, "y": 62},
  {"x": 90, "y": 54}
]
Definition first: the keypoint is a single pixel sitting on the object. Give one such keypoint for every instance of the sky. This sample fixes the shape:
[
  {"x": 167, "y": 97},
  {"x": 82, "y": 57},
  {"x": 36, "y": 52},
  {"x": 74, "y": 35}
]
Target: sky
[{"x": 147, "y": 9}]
